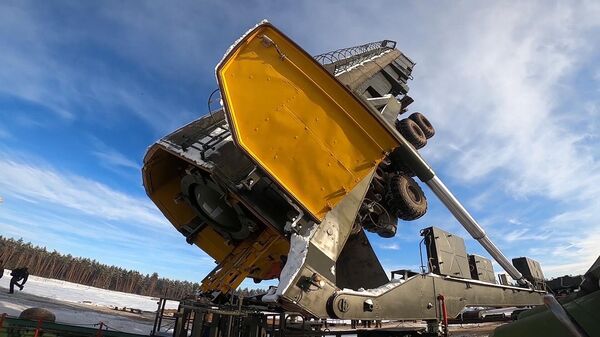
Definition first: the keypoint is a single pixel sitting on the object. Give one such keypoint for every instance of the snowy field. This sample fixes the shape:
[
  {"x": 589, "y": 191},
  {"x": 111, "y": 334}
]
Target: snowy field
[{"x": 80, "y": 305}]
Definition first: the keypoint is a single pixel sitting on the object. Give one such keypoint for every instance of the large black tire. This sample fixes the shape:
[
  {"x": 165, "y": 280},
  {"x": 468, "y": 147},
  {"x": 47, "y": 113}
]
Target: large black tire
[
  {"x": 412, "y": 132},
  {"x": 423, "y": 123},
  {"x": 405, "y": 198}
]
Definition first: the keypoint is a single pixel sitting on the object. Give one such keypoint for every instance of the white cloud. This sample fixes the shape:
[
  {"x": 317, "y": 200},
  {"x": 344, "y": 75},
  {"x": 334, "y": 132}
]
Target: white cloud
[
  {"x": 48, "y": 64},
  {"x": 110, "y": 157},
  {"x": 495, "y": 87},
  {"x": 504, "y": 75},
  {"x": 389, "y": 246},
  {"x": 115, "y": 158},
  {"x": 522, "y": 235},
  {"x": 572, "y": 254},
  {"x": 42, "y": 184}
]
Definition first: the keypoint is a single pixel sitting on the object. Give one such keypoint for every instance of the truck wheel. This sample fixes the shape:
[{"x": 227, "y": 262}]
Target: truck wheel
[
  {"x": 412, "y": 132},
  {"x": 423, "y": 123},
  {"x": 405, "y": 198}
]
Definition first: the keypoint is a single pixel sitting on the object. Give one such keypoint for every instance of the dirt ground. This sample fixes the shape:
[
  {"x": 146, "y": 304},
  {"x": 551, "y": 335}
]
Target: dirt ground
[
  {"x": 456, "y": 330},
  {"x": 474, "y": 330}
]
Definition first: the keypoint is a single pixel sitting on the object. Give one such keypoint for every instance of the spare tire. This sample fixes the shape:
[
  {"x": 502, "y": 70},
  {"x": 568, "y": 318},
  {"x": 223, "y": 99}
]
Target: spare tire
[
  {"x": 412, "y": 132},
  {"x": 405, "y": 198},
  {"x": 423, "y": 123}
]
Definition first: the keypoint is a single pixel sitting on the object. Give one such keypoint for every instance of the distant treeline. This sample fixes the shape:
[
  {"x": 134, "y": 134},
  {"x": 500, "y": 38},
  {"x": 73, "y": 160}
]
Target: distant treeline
[
  {"x": 17, "y": 253},
  {"x": 247, "y": 292}
]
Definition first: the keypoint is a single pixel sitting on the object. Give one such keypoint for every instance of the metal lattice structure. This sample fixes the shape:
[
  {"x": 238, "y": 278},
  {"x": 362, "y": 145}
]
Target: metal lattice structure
[{"x": 342, "y": 59}]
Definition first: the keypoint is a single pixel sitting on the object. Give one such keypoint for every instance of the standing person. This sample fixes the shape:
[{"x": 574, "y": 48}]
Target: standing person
[
  {"x": 1, "y": 268},
  {"x": 18, "y": 275}
]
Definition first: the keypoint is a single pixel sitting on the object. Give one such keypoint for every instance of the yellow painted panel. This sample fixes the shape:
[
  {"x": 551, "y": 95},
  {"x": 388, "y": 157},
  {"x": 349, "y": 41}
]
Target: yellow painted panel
[{"x": 297, "y": 122}]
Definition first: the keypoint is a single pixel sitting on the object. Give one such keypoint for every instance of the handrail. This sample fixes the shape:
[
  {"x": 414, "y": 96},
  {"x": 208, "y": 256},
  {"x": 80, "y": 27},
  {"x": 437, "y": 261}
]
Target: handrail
[{"x": 345, "y": 58}]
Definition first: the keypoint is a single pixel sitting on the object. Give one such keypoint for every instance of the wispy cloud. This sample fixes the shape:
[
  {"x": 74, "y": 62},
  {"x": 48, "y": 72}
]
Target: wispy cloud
[
  {"x": 524, "y": 234},
  {"x": 573, "y": 253},
  {"x": 111, "y": 157},
  {"x": 491, "y": 89},
  {"x": 115, "y": 158},
  {"x": 389, "y": 246},
  {"x": 41, "y": 183},
  {"x": 81, "y": 71},
  {"x": 501, "y": 82}
]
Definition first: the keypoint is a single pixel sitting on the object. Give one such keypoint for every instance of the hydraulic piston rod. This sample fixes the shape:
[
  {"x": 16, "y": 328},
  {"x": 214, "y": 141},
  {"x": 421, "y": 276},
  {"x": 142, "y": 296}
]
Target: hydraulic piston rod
[{"x": 427, "y": 175}]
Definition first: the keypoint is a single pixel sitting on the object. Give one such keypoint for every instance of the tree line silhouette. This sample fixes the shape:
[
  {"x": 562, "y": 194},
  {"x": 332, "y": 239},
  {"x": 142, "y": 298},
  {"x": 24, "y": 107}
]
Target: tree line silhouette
[{"x": 41, "y": 262}]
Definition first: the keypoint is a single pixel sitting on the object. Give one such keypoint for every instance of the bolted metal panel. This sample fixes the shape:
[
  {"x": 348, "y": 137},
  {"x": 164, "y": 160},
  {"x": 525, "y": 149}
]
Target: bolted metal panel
[
  {"x": 300, "y": 125},
  {"x": 592, "y": 277},
  {"x": 380, "y": 83},
  {"x": 530, "y": 269},
  {"x": 446, "y": 253},
  {"x": 481, "y": 269}
]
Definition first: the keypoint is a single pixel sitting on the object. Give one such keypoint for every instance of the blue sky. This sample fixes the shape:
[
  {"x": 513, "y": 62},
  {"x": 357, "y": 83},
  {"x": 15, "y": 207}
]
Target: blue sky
[{"x": 512, "y": 88}]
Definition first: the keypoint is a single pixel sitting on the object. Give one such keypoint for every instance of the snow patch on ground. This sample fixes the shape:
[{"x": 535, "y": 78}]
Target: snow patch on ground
[
  {"x": 77, "y": 293},
  {"x": 77, "y": 304}
]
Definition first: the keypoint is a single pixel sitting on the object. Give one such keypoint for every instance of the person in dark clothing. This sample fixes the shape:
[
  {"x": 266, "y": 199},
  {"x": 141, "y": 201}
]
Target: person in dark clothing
[
  {"x": 18, "y": 275},
  {"x": 1, "y": 268}
]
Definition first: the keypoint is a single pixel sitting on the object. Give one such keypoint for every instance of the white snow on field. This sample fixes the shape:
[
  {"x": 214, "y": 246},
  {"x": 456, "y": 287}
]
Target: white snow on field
[
  {"x": 78, "y": 304},
  {"x": 77, "y": 293}
]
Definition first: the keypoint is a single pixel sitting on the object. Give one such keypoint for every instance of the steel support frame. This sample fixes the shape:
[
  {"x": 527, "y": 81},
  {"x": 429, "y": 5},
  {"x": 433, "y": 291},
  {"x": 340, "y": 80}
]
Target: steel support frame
[{"x": 417, "y": 299}]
